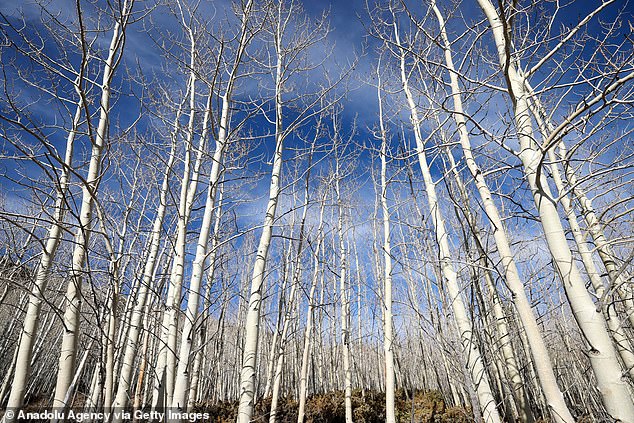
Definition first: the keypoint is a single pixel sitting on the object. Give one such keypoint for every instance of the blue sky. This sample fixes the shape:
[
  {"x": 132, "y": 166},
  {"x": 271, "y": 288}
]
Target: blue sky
[{"x": 348, "y": 22}]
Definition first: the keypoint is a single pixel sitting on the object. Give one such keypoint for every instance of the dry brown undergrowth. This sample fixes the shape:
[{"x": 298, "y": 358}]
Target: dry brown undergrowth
[{"x": 367, "y": 407}]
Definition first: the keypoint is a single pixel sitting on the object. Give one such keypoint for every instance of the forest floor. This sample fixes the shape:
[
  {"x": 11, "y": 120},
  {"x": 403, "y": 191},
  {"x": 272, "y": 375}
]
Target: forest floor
[{"x": 367, "y": 407}]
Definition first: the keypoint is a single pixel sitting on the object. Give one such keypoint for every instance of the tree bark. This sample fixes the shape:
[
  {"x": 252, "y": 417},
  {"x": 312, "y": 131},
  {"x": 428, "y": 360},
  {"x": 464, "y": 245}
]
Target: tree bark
[
  {"x": 388, "y": 333},
  {"x": 614, "y": 390},
  {"x": 471, "y": 352},
  {"x": 68, "y": 351}
]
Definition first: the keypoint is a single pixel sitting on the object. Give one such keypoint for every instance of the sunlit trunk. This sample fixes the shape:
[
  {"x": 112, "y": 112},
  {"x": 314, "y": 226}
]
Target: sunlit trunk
[
  {"x": 471, "y": 351},
  {"x": 68, "y": 352},
  {"x": 602, "y": 355},
  {"x": 388, "y": 335}
]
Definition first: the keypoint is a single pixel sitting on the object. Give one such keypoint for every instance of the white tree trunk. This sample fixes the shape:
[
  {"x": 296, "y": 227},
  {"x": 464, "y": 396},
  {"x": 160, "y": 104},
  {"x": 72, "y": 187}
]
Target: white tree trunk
[
  {"x": 198, "y": 267},
  {"x": 295, "y": 283},
  {"x": 68, "y": 351},
  {"x": 277, "y": 375},
  {"x": 140, "y": 393},
  {"x": 504, "y": 335},
  {"x": 167, "y": 358},
  {"x": 24, "y": 350},
  {"x": 343, "y": 292},
  {"x": 252, "y": 324},
  {"x": 106, "y": 386},
  {"x": 613, "y": 388},
  {"x": 621, "y": 341},
  {"x": 609, "y": 260},
  {"x": 388, "y": 335},
  {"x": 270, "y": 365},
  {"x": 247, "y": 374},
  {"x": 303, "y": 376},
  {"x": 166, "y": 366},
  {"x": 130, "y": 347},
  {"x": 558, "y": 408},
  {"x": 471, "y": 351}
]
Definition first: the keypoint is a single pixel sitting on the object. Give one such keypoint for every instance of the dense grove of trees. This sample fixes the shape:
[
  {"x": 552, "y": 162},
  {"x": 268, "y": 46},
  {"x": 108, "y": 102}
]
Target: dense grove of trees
[{"x": 214, "y": 202}]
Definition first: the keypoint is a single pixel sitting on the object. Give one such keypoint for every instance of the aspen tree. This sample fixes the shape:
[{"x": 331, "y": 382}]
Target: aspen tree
[
  {"x": 287, "y": 50},
  {"x": 166, "y": 366},
  {"x": 510, "y": 363},
  {"x": 614, "y": 389},
  {"x": 23, "y": 354},
  {"x": 622, "y": 343},
  {"x": 559, "y": 410},
  {"x": 344, "y": 295},
  {"x": 24, "y": 351},
  {"x": 285, "y": 272},
  {"x": 68, "y": 351},
  {"x": 361, "y": 372},
  {"x": 609, "y": 260},
  {"x": 279, "y": 354},
  {"x": 388, "y": 333},
  {"x": 475, "y": 365},
  {"x": 295, "y": 284},
  {"x": 303, "y": 378},
  {"x": 213, "y": 253},
  {"x": 142, "y": 379},
  {"x": 247, "y": 374},
  {"x": 167, "y": 356},
  {"x": 144, "y": 287},
  {"x": 116, "y": 269},
  {"x": 182, "y": 382}
]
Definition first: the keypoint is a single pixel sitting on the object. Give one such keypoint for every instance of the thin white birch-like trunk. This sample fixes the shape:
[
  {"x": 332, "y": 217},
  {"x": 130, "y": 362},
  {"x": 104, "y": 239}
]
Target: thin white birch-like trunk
[
  {"x": 70, "y": 393},
  {"x": 270, "y": 366},
  {"x": 501, "y": 321},
  {"x": 130, "y": 347},
  {"x": 295, "y": 282},
  {"x": 603, "y": 357},
  {"x": 139, "y": 393},
  {"x": 24, "y": 351},
  {"x": 106, "y": 387},
  {"x": 558, "y": 408},
  {"x": 68, "y": 353},
  {"x": 471, "y": 351},
  {"x": 181, "y": 387},
  {"x": 606, "y": 254},
  {"x": 303, "y": 376},
  {"x": 361, "y": 367},
  {"x": 343, "y": 293},
  {"x": 252, "y": 324},
  {"x": 166, "y": 365},
  {"x": 247, "y": 374},
  {"x": 167, "y": 359},
  {"x": 616, "y": 278},
  {"x": 193, "y": 395},
  {"x": 6, "y": 380},
  {"x": 190, "y": 180},
  {"x": 621, "y": 341},
  {"x": 194, "y": 386},
  {"x": 279, "y": 362},
  {"x": 388, "y": 335}
]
